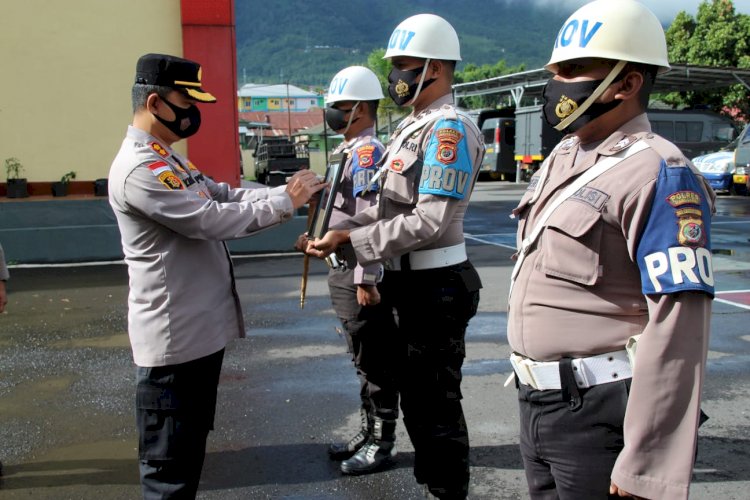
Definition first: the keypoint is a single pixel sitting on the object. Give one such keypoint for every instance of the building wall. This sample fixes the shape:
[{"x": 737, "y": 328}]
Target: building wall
[{"x": 66, "y": 79}]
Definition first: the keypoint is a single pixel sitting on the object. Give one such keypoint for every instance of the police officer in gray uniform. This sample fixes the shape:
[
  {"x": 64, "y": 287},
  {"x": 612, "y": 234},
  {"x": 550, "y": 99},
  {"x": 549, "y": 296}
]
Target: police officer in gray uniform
[
  {"x": 416, "y": 231},
  {"x": 369, "y": 325},
  {"x": 183, "y": 303}
]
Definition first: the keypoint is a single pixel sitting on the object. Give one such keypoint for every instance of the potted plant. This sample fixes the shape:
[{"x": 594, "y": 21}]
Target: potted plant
[
  {"x": 61, "y": 188},
  {"x": 17, "y": 186}
]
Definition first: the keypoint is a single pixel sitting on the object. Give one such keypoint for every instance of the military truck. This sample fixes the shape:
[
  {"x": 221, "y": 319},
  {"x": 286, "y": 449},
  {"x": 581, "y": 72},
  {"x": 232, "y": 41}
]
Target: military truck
[
  {"x": 535, "y": 140},
  {"x": 278, "y": 158},
  {"x": 499, "y": 134}
]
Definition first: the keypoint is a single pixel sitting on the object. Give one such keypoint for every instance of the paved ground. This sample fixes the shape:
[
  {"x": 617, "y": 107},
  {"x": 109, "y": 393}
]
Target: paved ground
[{"x": 66, "y": 384}]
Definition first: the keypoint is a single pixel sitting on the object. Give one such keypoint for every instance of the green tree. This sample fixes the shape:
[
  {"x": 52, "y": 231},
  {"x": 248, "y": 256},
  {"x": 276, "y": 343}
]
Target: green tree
[
  {"x": 473, "y": 73},
  {"x": 717, "y": 36}
]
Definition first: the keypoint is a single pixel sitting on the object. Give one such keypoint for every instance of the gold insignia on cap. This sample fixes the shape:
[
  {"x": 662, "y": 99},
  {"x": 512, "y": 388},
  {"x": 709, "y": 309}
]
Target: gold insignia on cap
[
  {"x": 402, "y": 88},
  {"x": 565, "y": 107}
]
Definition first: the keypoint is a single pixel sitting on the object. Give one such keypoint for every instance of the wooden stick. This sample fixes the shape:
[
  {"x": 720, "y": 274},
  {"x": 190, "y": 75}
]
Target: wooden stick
[{"x": 305, "y": 264}]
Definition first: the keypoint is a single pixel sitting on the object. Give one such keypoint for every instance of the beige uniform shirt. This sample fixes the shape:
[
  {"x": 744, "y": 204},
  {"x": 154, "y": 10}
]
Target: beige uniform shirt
[
  {"x": 426, "y": 189},
  {"x": 182, "y": 304},
  {"x": 579, "y": 293}
]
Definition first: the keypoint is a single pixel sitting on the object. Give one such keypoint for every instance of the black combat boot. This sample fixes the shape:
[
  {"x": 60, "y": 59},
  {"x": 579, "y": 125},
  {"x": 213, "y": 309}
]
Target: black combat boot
[
  {"x": 376, "y": 452},
  {"x": 342, "y": 451}
]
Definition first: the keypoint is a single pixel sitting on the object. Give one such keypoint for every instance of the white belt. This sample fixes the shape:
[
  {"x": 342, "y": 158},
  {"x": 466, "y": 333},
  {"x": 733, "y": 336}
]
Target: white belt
[
  {"x": 431, "y": 259},
  {"x": 588, "y": 372}
]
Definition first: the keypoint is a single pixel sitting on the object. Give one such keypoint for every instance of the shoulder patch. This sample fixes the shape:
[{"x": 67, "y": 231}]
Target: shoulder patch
[
  {"x": 674, "y": 251},
  {"x": 363, "y": 168},
  {"x": 163, "y": 172},
  {"x": 447, "y": 168},
  {"x": 364, "y": 156}
]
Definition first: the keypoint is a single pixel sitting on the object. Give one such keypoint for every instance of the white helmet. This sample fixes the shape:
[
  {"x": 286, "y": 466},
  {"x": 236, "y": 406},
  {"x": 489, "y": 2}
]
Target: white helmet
[
  {"x": 355, "y": 83},
  {"x": 426, "y": 36},
  {"x": 622, "y": 30}
]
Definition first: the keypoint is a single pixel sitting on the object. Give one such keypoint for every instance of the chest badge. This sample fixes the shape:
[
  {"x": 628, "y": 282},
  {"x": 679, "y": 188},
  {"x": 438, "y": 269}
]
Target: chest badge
[{"x": 397, "y": 165}]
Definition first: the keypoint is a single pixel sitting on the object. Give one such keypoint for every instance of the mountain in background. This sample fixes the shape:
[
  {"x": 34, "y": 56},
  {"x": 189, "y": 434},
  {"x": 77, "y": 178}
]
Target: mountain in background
[{"x": 306, "y": 43}]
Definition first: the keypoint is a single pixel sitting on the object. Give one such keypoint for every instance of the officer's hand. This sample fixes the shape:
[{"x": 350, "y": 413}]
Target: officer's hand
[
  {"x": 326, "y": 245},
  {"x": 301, "y": 244},
  {"x": 617, "y": 491},
  {"x": 3, "y": 296},
  {"x": 302, "y": 186},
  {"x": 368, "y": 295}
]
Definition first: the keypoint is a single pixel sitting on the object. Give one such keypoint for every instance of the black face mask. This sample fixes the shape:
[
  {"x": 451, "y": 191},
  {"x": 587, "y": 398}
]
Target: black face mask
[
  {"x": 336, "y": 118},
  {"x": 400, "y": 90},
  {"x": 561, "y": 99},
  {"x": 187, "y": 121}
]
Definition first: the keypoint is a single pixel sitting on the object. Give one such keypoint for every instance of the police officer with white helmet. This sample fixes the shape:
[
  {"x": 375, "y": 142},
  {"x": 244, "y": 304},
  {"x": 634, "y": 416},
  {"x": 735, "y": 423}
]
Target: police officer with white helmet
[
  {"x": 610, "y": 299},
  {"x": 368, "y": 325},
  {"x": 416, "y": 231}
]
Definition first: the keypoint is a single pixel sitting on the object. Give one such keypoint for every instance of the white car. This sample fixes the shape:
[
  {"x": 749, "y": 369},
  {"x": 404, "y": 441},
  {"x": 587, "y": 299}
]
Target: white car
[{"x": 718, "y": 169}]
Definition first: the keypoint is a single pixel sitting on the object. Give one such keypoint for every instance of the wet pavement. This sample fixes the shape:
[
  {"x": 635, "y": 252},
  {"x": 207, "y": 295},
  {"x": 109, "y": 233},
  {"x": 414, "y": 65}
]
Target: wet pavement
[{"x": 66, "y": 382}]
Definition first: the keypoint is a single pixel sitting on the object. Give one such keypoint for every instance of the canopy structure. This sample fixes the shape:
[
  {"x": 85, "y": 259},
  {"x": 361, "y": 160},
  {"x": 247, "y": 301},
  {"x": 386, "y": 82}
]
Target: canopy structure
[{"x": 680, "y": 78}]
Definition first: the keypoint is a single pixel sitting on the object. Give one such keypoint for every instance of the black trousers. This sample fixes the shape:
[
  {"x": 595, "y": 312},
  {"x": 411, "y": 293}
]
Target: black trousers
[
  {"x": 569, "y": 453},
  {"x": 371, "y": 335},
  {"x": 175, "y": 408},
  {"x": 433, "y": 308}
]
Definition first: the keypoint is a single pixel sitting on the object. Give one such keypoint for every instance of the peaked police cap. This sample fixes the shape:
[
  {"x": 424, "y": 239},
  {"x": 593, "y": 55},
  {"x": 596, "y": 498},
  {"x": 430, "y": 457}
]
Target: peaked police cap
[{"x": 171, "y": 71}]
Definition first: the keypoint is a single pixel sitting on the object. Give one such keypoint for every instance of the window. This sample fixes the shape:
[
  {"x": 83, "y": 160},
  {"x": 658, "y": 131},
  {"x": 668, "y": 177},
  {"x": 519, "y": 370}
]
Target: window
[
  {"x": 688, "y": 131},
  {"x": 663, "y": 128}
]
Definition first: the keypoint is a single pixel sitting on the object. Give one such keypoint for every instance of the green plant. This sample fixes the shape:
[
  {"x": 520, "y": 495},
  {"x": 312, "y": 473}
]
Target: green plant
[
  {"x": 66, "y": 178},
  {"x": 13, "y": 168}
]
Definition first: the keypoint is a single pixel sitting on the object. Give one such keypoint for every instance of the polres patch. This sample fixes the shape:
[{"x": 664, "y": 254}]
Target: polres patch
[
  {"x": 397, "y": 165},
  {"x": 364, "y": 156},
  {"x": 447, "y": 168},
  {"x": 363, "y": 167},
  {"x": 448, "y": 140},
  {"x": 680, "y": 198}
]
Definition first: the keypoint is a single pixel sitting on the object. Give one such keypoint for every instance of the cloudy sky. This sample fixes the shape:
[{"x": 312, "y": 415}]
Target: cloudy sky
[{"x": 664, "y": 9}]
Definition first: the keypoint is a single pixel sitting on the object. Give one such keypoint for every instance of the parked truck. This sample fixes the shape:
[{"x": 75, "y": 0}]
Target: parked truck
[
  {"x": 278, "y": 158},
  {"x": 498, "y": 128},
  {"x": 535, "y": 140}
]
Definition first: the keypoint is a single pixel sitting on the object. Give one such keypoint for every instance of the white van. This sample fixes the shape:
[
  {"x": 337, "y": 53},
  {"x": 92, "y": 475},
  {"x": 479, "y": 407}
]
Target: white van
[{"x": 741, "y": 176}]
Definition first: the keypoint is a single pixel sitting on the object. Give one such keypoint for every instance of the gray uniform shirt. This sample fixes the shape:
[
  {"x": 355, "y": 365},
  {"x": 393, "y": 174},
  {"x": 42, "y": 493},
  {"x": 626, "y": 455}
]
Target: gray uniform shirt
[
  {"x": 182, "y": 303},
  {"x": 422, "y": 208},
  {"x": 579, "y": 293},
  {"x": 363, "y": 152}
]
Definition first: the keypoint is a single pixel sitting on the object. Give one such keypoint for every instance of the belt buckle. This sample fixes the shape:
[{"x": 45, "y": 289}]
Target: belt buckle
[{"x": 522, "y": 366}]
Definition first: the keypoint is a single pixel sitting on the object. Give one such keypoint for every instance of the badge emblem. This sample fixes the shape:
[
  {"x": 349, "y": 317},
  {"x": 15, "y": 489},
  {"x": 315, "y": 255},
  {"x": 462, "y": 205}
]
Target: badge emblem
[
  {"x": 691, "y": 232},
  {"x": 364, "y": 153},
  {"x": 565, "y": 107},
  {"x": 397, "y": 165},
  {"x": 402, "y": 88},
  {"x": 448, "y": 140},
  {"x": 170, "y": 180}
]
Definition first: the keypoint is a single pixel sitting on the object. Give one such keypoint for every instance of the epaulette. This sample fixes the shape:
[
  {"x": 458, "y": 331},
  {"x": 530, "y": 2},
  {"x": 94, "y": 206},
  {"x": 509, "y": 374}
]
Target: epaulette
[{"x": 670, "y": 153}]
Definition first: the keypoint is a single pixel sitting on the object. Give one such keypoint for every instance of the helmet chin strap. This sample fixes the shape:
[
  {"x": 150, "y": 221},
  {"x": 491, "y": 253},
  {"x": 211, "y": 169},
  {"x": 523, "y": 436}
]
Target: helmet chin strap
[
  {"x": 593, "y": 97},
  {"x": 351, "y": 115},
  {"x": 421, "y": 80}
]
